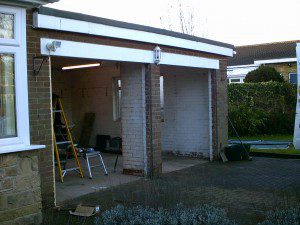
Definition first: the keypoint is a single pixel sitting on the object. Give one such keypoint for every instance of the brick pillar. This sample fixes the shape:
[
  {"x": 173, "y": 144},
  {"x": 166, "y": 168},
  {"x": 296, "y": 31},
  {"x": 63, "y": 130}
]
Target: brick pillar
[
  {"x": 219, "y": 109},
  {"x": 153, "y": 121},
  {"x": 141, "y": 130},
  {"x": 39, "y": 91},
  {"x": 133, "y": 119}
]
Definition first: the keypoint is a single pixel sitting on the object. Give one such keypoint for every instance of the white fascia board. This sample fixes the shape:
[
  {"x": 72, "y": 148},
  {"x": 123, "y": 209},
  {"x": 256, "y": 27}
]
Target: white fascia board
[
  {"x": 95, "y": 51},
  {"x": 189, "y": 61},
  {"x": 241, "y": 66},
  {"x": 105, "y": 52},
  {"x": 236, "y": 76},
  {"x": 270, "y": 61},
  {"x": 71, "y": 25}
]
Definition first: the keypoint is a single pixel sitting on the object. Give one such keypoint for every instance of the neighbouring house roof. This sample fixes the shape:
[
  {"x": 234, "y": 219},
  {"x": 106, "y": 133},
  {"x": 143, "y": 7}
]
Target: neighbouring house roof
[
  {"x": 246, "y": 55},
  {"x": 109, "y": 22},
  {"x": 27, "y": 3}
]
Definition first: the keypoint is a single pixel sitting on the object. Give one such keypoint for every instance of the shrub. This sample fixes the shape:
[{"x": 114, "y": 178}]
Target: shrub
[
  {"x": 203, "y": 215},
  {"x": 263, "y": 74},
  {"x": 280, "y": 217},
  {"x": 262, "y": 108}
]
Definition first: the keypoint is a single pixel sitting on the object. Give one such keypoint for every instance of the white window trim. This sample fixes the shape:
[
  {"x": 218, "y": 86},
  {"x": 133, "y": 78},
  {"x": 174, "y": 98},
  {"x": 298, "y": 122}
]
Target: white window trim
[
  {"x": 296, "y": 140},
  {"x": 17, "y": 47},
  {"x": 116, "y": 100},
  {"x": 241, "y": 80},
  {"x": 18, "y": 16}
]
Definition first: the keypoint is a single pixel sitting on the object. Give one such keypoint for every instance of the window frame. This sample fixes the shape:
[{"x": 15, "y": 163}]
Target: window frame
[
  {"x": 295, "y": 73},
  {"x": 16, "y": 41},
  {"x": 117, "y": 111},
  {"x": 18, "y": 48}
]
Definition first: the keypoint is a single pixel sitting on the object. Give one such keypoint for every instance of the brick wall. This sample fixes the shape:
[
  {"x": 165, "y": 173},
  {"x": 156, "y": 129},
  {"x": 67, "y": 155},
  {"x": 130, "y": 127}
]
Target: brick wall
[
  {"x": 141, "y": 121},
  {"x": 39, "y": 89},
  {"x": 285, "y": 69},
  {"x": 153, "y": 121},
  {"x": 186, "y": 121},
  {"x": 20, "y": 191},
  {"x": 133, "y": 118},
  {"x": 219, "y": 109}
]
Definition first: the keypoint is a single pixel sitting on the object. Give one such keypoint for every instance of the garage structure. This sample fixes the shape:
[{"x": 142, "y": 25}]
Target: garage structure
[
  {"x": 188, "y": 116},
  {"x": 194, "y": 78},
  {"x": 194, "y": 71}
]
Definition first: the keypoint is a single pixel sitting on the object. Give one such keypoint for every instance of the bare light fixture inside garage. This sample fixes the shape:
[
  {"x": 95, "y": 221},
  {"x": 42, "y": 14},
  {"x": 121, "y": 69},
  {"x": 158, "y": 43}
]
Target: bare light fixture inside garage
[
  {"x": 81, "y": 66},
  {"x": 157, "y": 55}
]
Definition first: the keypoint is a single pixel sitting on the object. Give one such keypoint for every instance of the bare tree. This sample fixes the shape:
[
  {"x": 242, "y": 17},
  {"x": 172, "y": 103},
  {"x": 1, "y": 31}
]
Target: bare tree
[
  {"x": 185, "y": 16},
  {"x": 186, "y": 19}
]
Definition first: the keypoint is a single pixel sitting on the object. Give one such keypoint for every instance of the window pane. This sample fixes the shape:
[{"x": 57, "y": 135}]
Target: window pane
[
  {"x": 235, "y": 80},
  {"x": 117, "y": 96},
  {"x": 6, "y": 26},
  {"x": 7, "y": 97},
  {"x": 293, "y": 78}
]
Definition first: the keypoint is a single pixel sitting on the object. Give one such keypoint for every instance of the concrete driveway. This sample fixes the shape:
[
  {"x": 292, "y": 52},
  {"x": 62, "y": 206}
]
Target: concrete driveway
[{"x": 246, "y": 190}]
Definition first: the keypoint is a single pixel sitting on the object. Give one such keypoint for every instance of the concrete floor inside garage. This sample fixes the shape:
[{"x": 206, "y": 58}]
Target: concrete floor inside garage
[{"x": 74, "y": 186}]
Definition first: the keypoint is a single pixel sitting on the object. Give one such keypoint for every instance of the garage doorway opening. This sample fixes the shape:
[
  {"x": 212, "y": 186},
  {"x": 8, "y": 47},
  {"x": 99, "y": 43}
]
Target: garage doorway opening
[
  {"x": 90, "y": 87},
  {"x": 185, "y": 112}
]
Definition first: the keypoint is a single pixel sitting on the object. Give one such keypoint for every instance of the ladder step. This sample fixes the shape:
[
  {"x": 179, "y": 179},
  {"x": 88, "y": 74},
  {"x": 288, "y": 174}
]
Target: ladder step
[
  {"x": 58, "y": 108},
  {"x": 63, "y": 142},
  {"x": 64, "y": 126},
  {"x": 71, "y": 169},
  {"x": 57, "y": 111}
]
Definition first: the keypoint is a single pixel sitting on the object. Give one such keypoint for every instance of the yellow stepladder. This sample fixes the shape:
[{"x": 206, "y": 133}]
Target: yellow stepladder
[{"x": 58, "y": 108}]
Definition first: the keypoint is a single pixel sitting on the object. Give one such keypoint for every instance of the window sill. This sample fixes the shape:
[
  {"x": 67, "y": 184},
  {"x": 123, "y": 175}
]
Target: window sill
[{"x": 19, "y": 148}]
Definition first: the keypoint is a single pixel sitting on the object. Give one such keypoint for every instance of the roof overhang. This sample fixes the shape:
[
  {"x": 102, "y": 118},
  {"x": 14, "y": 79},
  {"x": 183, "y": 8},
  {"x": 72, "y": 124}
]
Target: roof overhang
[
  {"x": 47, "y": 18},
  {"x": 27, "y": 3}
]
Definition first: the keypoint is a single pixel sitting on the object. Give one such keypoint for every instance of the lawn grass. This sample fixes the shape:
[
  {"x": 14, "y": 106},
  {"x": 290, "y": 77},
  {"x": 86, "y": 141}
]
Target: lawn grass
[
  {"x": 273, "y": 137},
  {"x": 290, "y": 151}
]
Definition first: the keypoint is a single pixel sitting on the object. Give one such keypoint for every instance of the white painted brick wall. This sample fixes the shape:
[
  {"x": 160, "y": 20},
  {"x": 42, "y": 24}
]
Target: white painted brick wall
[
  {"x": 186, "y": 123},
  {"x": 133, "y": 116}
]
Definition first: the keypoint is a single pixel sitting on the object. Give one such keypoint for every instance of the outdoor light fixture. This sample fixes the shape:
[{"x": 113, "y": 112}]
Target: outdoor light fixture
[
  {"x": 81, "y": 66},
  {"x": 157, "y": 55},
  {"x": 53, "y": 46}
]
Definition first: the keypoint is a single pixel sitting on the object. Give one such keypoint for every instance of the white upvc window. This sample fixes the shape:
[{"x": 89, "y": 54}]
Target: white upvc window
[
  {"x": 235, "y": 80},
  {"x": 11, "y": 20},
  {"x": 117, "y": 96},
  {"x": 14, "y": 116}
]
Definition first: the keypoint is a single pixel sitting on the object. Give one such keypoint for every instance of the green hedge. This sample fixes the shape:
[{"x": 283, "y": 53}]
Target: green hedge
[{"x": 262, "y": 108}]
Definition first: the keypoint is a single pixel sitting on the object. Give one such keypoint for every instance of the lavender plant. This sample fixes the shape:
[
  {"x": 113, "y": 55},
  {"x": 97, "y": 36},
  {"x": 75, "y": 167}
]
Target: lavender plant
[{"x": 202, "y": 215}]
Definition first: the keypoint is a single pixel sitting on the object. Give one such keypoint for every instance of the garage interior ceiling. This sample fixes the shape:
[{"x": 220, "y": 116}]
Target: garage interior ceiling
[{"x": 58, "y": 62}]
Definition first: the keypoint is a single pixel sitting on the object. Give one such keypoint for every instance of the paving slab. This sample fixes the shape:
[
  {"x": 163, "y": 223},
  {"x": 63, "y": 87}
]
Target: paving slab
[{"x": 246, "y": 190}]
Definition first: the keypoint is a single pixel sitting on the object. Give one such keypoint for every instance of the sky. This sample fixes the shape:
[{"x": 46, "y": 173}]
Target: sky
[{"x": 238, "y": 22}]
